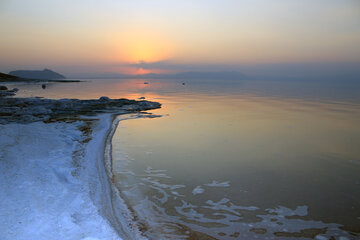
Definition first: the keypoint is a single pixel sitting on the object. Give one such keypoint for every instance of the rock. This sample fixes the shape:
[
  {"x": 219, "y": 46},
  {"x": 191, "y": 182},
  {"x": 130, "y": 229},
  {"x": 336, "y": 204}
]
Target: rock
[
  {"x": 15, "y": 90},
  {"x": 3, "y": 88},
  {"x": 141, "y": 98},
  {"x": 26, "y": 110},
  {"x": 41, "y": 110},
  {"x": 43, "y": 86},
  {"x": 28, "y": 118},
  {"x": 105, "y": 99},
  {"x": 5, "y": 93}
]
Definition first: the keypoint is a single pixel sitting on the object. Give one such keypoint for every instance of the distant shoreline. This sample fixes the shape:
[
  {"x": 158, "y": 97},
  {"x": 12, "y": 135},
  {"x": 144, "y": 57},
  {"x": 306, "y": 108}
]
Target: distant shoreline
[
  {"x": 14, "y": 78},
  {"x": 36, "y": 80}
]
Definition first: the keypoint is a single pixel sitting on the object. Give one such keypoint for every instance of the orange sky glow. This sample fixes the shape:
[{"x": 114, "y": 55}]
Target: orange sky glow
[{"x": 110, "y": 36}]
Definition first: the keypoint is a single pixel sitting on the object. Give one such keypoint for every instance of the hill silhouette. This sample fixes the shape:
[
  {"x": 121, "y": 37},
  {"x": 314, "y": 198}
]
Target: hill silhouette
[
  {"x": 37, "y": 74},
  {"x": 230, "y": 75},
  {"x": 4, "y": 76}
]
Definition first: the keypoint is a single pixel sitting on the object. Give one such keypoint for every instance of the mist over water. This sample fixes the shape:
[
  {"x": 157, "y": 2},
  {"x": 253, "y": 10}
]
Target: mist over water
[{"x": 235, "y": 159}]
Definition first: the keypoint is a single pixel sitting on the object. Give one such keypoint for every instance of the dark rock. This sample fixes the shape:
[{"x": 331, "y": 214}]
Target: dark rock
[
  {"x": 26, "y": 110},
  {"x": 7, "y": 77},
  {"x": 141, "y": 98},
  {"x": 4, "y": 92},
  {"x": 37, "y": 74},
  {"x": 105, "y": 99}
]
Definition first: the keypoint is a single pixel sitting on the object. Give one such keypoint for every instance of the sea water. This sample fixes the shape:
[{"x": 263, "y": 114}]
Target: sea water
[{"x": 235, "y": 159}]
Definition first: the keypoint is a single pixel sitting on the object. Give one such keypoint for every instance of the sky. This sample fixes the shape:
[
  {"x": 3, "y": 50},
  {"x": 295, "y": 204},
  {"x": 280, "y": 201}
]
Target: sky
[{"x": 164, "y": 36}]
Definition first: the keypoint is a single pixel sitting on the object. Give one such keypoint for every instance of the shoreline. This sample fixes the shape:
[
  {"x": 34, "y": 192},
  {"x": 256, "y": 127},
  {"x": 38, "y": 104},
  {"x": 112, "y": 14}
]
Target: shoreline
[
  {"x": 114, "y": 208},
  {"x": 75, "y": 197},
  {"x": 32, "y": 80},
  {"x": 55, "y": 177},
  {"x": 118, "y": 206}
]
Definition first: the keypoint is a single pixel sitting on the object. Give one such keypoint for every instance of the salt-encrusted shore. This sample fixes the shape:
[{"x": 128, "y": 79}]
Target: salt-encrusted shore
[{"x": 53, "y": 181}]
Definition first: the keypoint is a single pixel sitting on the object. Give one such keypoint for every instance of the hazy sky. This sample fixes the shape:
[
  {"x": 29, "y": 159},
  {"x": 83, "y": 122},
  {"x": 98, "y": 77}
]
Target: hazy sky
[{"x": 175, "y": 35}]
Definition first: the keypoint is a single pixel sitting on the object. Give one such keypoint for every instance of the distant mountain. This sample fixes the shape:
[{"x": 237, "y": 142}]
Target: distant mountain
[
  {"x": 181, "y": 75},
  {"x": 196, "y": 75},
  {"x": 37, "y": 74},
  {"x": 210, "y": 75},
  {"x": 4, "y": 76}
]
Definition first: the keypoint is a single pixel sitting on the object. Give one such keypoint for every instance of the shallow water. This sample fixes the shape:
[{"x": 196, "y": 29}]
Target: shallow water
[{"x": 236, "y": 159}]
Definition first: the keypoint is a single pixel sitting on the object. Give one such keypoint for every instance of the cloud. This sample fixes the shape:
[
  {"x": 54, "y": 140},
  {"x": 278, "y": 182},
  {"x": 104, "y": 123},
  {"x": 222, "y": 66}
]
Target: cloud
[
  {"x": 172, "y": 66},
  {"x": 324, "y": 70}
]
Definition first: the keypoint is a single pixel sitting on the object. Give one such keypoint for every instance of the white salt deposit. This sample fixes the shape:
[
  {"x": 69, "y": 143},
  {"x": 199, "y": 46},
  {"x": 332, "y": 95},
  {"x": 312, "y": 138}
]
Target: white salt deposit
[
  {"x": 284, "y": 211},
  {"x": 218, "y": 184},
  {"x": 198, "y": 190},
  {"x": 47, "y": 177}
]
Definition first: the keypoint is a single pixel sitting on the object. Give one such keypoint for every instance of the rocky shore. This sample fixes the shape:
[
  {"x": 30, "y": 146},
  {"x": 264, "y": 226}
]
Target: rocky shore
[
  {"x": 5, "y": 92},
  {"x": 26, "y": 110}
]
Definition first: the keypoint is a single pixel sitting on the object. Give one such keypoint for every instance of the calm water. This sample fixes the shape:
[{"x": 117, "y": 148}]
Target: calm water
[{"x": 236, "y": 159}]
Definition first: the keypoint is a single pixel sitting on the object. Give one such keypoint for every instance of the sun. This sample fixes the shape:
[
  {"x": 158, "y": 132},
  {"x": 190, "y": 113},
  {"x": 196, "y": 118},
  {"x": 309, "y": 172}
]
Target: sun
[
  {"x": 143, "y": 50},
  {"x": 145, "y": 46}
]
